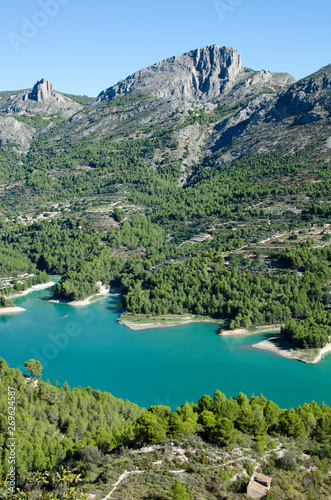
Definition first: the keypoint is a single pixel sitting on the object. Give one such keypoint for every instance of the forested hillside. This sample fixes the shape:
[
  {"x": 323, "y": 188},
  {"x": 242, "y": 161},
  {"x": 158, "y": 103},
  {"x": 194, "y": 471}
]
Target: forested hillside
[{"x": 72, "y": 442}]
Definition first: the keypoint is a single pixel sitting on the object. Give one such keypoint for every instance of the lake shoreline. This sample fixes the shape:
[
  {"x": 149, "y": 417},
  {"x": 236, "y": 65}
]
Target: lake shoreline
[
  {"x": 33, "y": 288},
  {"x": 102, "y": 294},
  {"x": 273, "y": 344},
  {"x": 166, "y": 321},
  {"x": 284, "y": 349},
  {"x": 227, "y": 362},
  {"x": 15, "y": 309},
  {"x": 11, "y": 310},
  {"x": 137, "y": 322},
  {"x": 251, "y": 331}
]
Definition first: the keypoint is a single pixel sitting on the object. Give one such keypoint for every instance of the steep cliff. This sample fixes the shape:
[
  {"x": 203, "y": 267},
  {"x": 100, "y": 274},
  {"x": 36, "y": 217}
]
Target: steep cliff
[{"x": 205, "y": 74}]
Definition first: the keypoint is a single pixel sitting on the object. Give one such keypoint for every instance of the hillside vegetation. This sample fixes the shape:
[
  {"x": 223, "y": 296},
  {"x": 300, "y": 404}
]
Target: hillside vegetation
[{"x": 74, "y": 441}]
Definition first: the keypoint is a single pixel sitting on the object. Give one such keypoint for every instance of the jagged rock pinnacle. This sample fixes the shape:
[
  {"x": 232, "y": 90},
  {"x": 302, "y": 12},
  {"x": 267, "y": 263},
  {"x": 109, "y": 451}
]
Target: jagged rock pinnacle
[
  {"x": 41, "y": 100},
  {"x": 42, "y": 91}
]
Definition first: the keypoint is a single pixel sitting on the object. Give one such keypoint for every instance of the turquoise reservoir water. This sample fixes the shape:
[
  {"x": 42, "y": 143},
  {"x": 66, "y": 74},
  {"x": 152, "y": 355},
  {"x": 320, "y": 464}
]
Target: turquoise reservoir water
[{"x": 87, "y": 347}]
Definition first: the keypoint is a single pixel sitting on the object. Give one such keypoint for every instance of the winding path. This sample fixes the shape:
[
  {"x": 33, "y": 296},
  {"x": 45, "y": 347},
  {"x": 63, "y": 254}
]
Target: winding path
[{"x": 120, "y": 479}]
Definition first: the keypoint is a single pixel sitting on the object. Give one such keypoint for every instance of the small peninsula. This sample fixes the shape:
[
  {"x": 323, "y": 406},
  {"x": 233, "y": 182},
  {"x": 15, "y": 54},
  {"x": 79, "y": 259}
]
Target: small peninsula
[
  {"x": 99, "y": 295},
  {"x": 274, "y": 344},
  {"x": 147, "y": 321},
  {"x": 11, "y": 308},
  {"x": 279, "y": 346}
]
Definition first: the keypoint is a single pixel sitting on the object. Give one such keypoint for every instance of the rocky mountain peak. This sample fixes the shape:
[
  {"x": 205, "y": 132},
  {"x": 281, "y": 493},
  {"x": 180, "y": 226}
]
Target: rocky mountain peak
[
  {"x": 42, "y": 91},
  {"x": 41, "y": 100},
  {"x": 199, "y": 75},
  {"x": 216, "y": 65}
]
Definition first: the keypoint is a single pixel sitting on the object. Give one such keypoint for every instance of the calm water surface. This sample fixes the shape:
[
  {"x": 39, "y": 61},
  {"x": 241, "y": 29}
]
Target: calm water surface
[{"x": 87, "y": 347}]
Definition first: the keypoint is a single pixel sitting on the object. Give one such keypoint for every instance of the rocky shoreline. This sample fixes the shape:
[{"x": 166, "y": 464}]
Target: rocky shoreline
[
  {"x": 11, "y": 310},
  {"x": 274, "y": 344}
]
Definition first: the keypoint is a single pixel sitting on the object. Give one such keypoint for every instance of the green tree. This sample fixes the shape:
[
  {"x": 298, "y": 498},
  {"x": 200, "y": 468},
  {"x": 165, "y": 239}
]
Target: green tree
[
  {"x": 178, "y": 492},
  {"x": 224, "y": 432},
  {"x": 3, "y": 365},
  {"x": 3, "y": 301},
  {"x": 207, "y": 419},
  {"x": 161, "y": 413},
  {"x": 34, "y": 367},
  {"x": 219, "y": 398},
  {"x": 148, "y": 429},
  {"x": 119, "y": 214},
  {"x": 291, "y": 424},
  {"x": 206, "y": 403}
]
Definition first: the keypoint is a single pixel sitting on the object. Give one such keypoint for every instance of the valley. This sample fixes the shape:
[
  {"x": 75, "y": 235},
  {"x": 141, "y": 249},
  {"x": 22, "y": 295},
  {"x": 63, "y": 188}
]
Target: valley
[{"x": 198, "y": 191}]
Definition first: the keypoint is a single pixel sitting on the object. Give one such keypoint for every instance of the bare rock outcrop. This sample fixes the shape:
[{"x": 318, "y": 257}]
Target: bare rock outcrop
[
  {"x": 292, "y": 118},
  {"x": 41, "y": 100},
  {"x": 202, "y": 74},
  {"x": 310, "y": 95},
  {"x": 42, "y": 91},
  {"x": 15, "y": 132},
  {"x": 208, "y": 74}
]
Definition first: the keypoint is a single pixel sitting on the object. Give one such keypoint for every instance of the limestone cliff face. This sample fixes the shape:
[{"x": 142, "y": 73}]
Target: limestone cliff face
[
  {"x": 15, "y": 132},
  {"x": 202, "y": 74},
  {"x": 42, "y": 91},
  {"x": 41, "y": 100},
  {"x": 295, "y": 117},
  {"x": 310, "y": 95}
]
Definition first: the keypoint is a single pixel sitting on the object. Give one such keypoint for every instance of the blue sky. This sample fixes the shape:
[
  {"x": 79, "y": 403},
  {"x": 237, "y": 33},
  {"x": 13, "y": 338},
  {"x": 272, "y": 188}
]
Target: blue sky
[{"x": 85, "y": 46}]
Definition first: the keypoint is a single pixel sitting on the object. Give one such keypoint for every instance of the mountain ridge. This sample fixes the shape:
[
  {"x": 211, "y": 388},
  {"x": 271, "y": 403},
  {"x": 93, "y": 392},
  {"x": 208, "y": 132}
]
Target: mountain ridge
[
  {"x": 202, "y": 74},
  {"x": 237, "y": 109}
]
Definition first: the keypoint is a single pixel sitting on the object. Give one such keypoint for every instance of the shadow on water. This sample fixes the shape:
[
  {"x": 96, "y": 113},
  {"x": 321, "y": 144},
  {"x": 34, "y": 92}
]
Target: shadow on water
[
  {"x": 115, "y": 309},
  {"x": 4, "y": 319},
  {"x": 115, "y": 304},
  {"x": 268, "y": 335}
]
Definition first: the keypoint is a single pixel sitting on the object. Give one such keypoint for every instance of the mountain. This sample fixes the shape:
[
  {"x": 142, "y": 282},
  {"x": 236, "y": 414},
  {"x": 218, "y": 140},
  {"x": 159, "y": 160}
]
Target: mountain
[
  {"x": 166, "y": 92},
  {"x": 196, "y": 188},
  {"x": 209, "y": 74},
  {"x": 243, "y": 110},
  {"x": 204, "y": 101}
]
